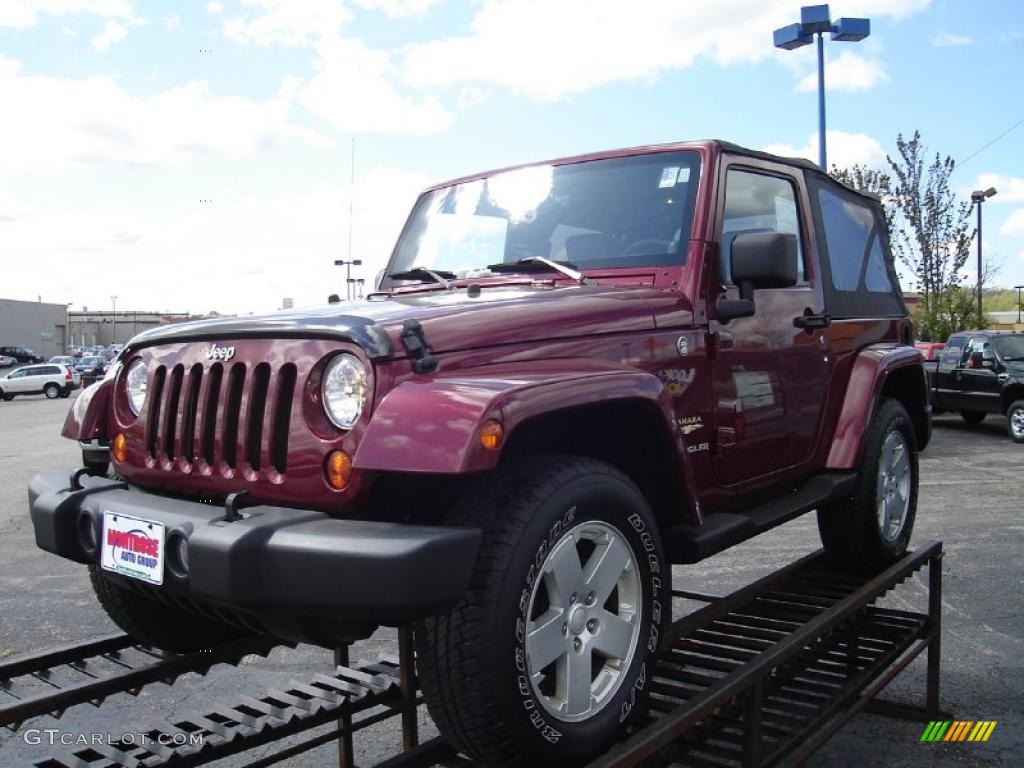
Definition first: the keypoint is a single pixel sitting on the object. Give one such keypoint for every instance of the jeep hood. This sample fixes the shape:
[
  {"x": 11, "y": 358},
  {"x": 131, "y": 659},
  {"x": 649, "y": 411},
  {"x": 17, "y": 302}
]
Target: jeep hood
[{"x": 451, "y": 320}]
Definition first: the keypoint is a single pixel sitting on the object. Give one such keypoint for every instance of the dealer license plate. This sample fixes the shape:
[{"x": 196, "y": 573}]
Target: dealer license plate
[{"x": 133, "y": 547}]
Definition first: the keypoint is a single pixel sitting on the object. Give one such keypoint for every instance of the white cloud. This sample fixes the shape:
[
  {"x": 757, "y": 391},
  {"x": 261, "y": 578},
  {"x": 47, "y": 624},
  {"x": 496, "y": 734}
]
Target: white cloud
[
  {"x": 56, "y": 123},
  {"x": 113, "y": 32},
  {"x": 214, "y": 7},
  {"x": 1009, "y": 189},
  {"x": 352, "y": 90},
  {"x": 548, "y": 50},
  {"x": 286, "y": 22},
  {"x": 21, "y": 14},
  {"x": 1014, "y": 224},
  {"x": 950, "y": 40},
  {"x": 398, "y": 8},
  {"x": 246, "y": 240},
  {"x": 844, "y": 149},
  {"x": 848, "y": 72}
]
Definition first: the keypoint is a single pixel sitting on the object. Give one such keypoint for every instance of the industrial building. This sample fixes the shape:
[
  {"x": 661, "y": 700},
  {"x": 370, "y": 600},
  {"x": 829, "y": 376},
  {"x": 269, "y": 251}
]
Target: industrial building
[
  {"x": 105, "y": 328},
  {"x": 40, "y": 326}
]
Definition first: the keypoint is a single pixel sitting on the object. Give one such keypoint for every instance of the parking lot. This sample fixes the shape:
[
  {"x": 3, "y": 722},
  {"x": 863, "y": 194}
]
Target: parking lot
[{"x": 972, "y": 498}]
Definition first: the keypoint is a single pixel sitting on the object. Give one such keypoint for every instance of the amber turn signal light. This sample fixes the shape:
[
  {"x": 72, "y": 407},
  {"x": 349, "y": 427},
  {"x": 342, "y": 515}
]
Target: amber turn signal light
[
  {"x": 119, "y": 448},
  {"x": 491, "y": 434},
  {"x": 339, "y": 470}
]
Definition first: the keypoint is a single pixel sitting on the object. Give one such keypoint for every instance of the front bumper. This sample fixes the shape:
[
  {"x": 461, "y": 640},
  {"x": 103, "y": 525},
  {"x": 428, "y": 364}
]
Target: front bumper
[{"x": 280, "y": 564}]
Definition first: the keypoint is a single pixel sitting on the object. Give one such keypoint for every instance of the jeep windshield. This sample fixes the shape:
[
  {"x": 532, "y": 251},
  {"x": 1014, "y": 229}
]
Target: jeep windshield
[{"x": 599, "y": 214}]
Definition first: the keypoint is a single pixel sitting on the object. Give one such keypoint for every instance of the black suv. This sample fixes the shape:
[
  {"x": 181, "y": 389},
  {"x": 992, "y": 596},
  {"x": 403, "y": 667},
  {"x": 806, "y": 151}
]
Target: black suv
[
  {"x": 22, "y": 354},
  {"x": 978, "y": 373}
]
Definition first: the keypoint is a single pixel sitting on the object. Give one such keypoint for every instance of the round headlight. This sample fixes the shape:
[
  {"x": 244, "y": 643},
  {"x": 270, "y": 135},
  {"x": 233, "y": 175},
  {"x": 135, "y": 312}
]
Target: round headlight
[
  {"x": 135, "y": 383},
  {"x": 344, "y": 390}
]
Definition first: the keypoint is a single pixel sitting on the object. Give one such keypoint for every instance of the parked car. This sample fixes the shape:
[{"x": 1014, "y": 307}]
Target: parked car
[
  {"x": 22, "y": 354},
  {"x": 573, "y": 376},
  {"x": 93, "y": 366},
  {"x": 930, "y": 349},
  {"x": 978, "y": 373},
  {"x": 50, "y": 380},
  {"x": 64, "y": 360},
  {"x": 7, "y": 362}
]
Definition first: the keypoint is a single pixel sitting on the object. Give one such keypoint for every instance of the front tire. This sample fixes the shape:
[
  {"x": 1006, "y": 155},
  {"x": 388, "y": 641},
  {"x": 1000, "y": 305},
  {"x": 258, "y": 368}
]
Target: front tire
[
  {"x": 1015, "y": 421},
  {"x": 973, "y": 418},
  {"x": 546, "y": 657},
  {"x": 872, "y": 528},
  {"x": 156, "y": 624}
]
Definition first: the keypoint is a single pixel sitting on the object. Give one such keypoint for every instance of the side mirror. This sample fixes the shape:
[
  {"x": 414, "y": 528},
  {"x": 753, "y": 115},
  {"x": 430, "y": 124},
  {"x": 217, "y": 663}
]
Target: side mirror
[{"x": 757, "y": 260}]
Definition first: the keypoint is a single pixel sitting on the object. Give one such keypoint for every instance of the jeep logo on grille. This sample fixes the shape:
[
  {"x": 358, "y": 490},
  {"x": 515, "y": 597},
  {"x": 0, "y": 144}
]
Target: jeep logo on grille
[{"x": 213, "y": 352}]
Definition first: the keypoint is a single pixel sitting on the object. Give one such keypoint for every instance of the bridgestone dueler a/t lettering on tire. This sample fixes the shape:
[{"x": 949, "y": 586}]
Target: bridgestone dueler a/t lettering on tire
[{"x": 551, "y": 650}]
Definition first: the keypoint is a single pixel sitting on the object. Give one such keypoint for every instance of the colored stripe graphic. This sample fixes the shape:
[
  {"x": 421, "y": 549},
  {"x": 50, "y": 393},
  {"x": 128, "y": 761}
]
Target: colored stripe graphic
[{"x": 958, "y": 730}]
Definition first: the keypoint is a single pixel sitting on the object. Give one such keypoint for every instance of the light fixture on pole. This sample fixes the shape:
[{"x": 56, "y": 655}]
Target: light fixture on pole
[
  {"x": 814, "y": 20},
  {"x": 978, "y": 197},
  {"x": 348, "y": 264},
  {"x": 1018, "y": 287}
]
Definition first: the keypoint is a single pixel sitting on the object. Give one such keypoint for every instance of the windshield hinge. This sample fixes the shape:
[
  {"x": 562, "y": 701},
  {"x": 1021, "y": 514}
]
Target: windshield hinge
[{"x": 416, "y": 344}]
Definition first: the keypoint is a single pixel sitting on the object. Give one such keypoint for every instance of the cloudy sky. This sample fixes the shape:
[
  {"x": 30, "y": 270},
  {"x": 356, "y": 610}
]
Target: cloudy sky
[{"x": 194, "y": 156}]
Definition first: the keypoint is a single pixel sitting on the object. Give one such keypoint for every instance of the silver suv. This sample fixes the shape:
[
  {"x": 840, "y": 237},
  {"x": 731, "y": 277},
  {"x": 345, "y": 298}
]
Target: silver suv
[{"x": 48, "y": 379}]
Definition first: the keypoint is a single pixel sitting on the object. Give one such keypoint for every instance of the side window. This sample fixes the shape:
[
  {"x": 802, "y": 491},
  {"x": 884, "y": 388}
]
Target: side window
[
  {"x": 951, "y": 354},
  {"x": 754, "y": 203},
  {"x": 854, "y": 249},
  {"x": 977, "y": 344}
]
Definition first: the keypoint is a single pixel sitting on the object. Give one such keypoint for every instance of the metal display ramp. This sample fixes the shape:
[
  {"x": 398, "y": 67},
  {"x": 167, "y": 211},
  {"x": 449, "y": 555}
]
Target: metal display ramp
[{"x": 761, "y": 677}]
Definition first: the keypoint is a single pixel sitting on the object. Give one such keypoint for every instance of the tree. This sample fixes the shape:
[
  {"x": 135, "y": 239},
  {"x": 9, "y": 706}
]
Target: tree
[
  {"x": 950, "y": 311},
  {"x": 932, "y": 233}
]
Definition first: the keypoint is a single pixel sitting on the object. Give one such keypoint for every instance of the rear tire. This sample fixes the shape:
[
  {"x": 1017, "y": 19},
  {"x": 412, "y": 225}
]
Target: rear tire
[
  {"x": 52, "y": 391},
  {"x": 872, "y": 528},
  {"x": 1015, "y": 421},
  {"x": 973, "y": 418},
  {"x": 156, "y": 624},
  {"x": 5, "y": 397},
  {"x": 546, "y": 657}
]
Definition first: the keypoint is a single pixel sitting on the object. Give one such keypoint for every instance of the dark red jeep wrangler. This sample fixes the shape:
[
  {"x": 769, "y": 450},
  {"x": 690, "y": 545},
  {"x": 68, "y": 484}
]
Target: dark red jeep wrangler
[{"x": 572, "y": 377}]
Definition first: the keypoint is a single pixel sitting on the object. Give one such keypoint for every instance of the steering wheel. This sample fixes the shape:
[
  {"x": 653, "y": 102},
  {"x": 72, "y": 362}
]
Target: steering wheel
[{"x": 663, "y": 246}]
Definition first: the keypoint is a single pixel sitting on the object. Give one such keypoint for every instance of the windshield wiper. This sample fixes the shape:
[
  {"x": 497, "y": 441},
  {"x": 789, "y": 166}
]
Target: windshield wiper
[
  {"x": 423, "y": 274},
  {"x": 540, "y": 264}
]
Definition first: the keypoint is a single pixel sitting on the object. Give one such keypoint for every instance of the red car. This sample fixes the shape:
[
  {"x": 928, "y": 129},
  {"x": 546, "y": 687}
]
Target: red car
[
  {"x": 930, "y": 349},
  {"x": 573, "y": 376}
]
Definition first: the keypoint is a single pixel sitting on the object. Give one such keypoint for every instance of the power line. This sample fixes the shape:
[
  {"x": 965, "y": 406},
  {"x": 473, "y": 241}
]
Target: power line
[{"x": 997, "y": 138}]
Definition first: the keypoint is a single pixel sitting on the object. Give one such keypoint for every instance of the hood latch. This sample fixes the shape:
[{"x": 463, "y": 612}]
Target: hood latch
[{"x": 416, "y": 344}]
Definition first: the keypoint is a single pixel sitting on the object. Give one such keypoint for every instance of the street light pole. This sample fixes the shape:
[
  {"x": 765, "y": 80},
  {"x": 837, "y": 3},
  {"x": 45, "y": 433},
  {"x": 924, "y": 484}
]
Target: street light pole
[
  {"x": 978, "y": 197},
  {"x": 348, "y": 264},
  {"x": 815, "y": 20},
  {"x": 1018, "y": 287},
  {"x": 821, "y": 103}
]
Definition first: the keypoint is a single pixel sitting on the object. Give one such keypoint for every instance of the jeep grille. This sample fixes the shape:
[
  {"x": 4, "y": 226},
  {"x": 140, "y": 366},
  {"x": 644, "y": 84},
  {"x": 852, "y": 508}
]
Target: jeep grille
[{"x": 235, "y": 413}]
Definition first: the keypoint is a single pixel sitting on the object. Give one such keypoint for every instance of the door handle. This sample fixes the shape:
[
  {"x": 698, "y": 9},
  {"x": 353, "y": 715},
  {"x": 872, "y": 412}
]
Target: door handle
[{"x": 809, "y": 321}]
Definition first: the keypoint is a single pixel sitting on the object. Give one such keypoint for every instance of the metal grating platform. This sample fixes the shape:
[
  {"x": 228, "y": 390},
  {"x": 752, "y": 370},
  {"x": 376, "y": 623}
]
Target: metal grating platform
[{"x": 761, "y": 677}]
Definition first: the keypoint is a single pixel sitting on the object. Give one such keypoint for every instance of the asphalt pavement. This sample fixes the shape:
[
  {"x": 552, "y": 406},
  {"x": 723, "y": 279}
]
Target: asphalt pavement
[{"x": 971, "y": 498}]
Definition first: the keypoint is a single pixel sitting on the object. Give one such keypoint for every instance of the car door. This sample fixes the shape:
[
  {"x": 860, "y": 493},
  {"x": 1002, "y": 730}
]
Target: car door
[
  {"x": 947, "y": 381},
  {"x": 979, "y": 379},
  {"x": 768, "y": 375},
  {"x": 18, "y": 382}
]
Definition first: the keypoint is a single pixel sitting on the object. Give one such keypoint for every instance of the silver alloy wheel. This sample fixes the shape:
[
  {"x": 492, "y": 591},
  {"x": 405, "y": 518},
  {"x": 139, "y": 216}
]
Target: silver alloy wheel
[
  {"x": 1017, "y": 423},
  {"x": 893, "y": 486},
  {"x": 584, "y": 621}
]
